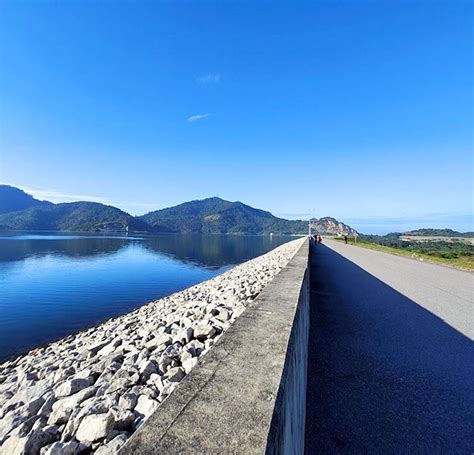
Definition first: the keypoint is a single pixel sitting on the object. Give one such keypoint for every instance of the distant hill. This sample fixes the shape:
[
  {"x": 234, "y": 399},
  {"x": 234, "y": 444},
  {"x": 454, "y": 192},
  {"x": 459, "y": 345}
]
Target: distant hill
[
  {"x": 215, "y": 215},
  {"x": 439, "y": 233},
  {"x": 13, "y": 199},
  {"x": 74, "y": 216},
  {"x": 207, "y": 216}
]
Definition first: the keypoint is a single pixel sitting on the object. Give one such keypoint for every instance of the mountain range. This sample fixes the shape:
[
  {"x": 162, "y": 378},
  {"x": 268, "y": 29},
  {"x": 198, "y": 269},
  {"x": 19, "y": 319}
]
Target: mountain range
[{"x": 20, "y": 211}]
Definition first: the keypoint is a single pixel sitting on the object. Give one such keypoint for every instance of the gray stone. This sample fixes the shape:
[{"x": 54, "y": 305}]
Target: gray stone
[
  {"x": 157, "y": 341},
  {"x": 146, "y": 369},
  {"x": 95, "y": 427},
  {"x": 189, "y": 364},
  {"x": 64, "y": 448},
  {"x": 93, "y": 407},
  {"x": 195, "y": 347},
  {"x": 156, "y": 381},
  {"x": 19, "y": 443},
  {"x": 184, "y": 336},
  {"x": 164, "y": 362},
  {"x": 131, "y": 359},
  {"x": 123, "y": 420},
  {"x": 224, "y": 315},
  {"x": 146, "y": 405},
  {"x": 168, "y": 388},
  {"x": 128, "y": 401},
  {"x": 96, "y": 347},
  {"x": 27, "y": 376},
  {"x": 4, "y": 397},
  {"x": 71, "y": 426},
  {"x": 124, "y": 372},
  {"x": 64, "y": 373},
  {"x": 33, "y": 406},
  {"x": 123, "y": 383},
  {"x": 83, "y": 374},
  {"x": 24, "y": 395},
  {"x": 112, "y": 447},
  {"x": 172, "y": 352},
  {"x": 47, "y": 407},
  {"x": 185, "y": 355},
  {"x": 90, "y": 407},
  {"x": 111, "y": 347},
  {"x": 106, "y": 362},
  {"x": 62, "y": 409},
  {"x": 103, "y": 389},
  {"x": 175, "y": 374},
  {"x": 72, "y": 386},
  {"x": 9, "y": 422}
]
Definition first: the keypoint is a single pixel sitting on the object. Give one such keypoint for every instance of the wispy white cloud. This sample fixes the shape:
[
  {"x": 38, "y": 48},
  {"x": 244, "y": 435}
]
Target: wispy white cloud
[
  {"x": 195, "y": 118},
  {"x": 58, "y": 196},
  {"x": 211, "y": 78},
  {"x": 44, "y": 194}
]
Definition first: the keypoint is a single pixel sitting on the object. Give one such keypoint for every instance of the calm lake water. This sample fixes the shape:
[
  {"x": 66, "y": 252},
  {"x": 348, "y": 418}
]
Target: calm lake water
[{"x": 54, "y": 285}]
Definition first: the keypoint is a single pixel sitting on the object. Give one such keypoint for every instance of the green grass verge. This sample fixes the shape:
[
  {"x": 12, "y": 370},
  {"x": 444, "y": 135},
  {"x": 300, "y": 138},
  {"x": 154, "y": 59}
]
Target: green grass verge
[{"x": 464, "y": 262}]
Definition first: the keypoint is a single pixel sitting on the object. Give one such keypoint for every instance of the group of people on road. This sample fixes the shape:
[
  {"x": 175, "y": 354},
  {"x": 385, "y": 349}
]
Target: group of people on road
[{"x": 318, "y": 239}]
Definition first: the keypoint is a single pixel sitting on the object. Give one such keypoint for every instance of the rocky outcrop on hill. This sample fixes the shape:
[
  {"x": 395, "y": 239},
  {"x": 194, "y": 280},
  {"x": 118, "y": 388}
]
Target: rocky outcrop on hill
[
  {"x": 89, "y": 392},
  {"x": 330, "y": 226}
]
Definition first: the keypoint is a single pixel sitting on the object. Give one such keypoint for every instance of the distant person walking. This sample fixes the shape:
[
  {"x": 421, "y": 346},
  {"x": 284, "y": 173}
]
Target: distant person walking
[
  {"x": 345, "y": 239},
  {"x": 320, "y": 239}
]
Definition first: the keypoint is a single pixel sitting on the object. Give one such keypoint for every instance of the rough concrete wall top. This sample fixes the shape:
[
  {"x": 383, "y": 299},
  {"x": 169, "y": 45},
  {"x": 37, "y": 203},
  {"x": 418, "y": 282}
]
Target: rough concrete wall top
[{"x": 226, "y": 403}]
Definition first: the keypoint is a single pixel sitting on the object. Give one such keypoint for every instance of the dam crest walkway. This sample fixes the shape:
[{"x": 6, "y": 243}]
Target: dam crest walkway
[{"x": 391, "y": 360}]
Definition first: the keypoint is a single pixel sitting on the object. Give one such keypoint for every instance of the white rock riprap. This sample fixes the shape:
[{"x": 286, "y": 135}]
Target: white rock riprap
[{"x": 89, "y": 392}]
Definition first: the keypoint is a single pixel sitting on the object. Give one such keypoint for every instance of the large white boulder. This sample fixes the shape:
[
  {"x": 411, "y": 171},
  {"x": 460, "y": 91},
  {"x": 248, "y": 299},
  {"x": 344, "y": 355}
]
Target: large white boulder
[
  {"x": 72, "y": 386},
  {"x": 95, "y": 427},
  {"x": 146, "y": 405}
]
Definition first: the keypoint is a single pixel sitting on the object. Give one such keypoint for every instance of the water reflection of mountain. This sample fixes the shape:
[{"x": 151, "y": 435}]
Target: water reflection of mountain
[
  {"x": 212, "y": 251},
  {"x": 20, "y": 249}
]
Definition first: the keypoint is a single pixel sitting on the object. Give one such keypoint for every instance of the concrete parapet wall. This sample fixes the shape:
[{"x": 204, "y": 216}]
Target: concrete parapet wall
[
  {"x": 247, "y": 395},
  {"x": 286, "y": 434}
]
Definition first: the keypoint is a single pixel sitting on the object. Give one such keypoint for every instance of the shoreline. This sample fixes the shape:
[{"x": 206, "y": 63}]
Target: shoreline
[
  {"x": 111, "y": 377},
  {"x": 131, "y": 234}
]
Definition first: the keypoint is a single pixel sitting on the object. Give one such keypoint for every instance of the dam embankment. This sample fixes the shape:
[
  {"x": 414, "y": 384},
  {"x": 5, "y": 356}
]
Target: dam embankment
[
  {"x": 90, "y": 392},
  {"x": 247, "y": 395}
]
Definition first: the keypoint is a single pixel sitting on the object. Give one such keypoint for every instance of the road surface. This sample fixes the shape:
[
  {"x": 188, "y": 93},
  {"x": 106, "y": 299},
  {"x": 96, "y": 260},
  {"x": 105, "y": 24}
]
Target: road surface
[{"x": 391, "y": 362}]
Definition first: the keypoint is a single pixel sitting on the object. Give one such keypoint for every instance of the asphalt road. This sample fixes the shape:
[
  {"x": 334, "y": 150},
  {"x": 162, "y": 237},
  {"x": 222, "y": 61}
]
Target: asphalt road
[{"x": 391, "y": 364}]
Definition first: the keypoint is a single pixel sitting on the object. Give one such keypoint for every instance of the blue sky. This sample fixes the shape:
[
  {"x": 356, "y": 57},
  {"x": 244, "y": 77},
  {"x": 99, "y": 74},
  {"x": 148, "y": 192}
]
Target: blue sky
[{"x": 358, "y": 110}]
